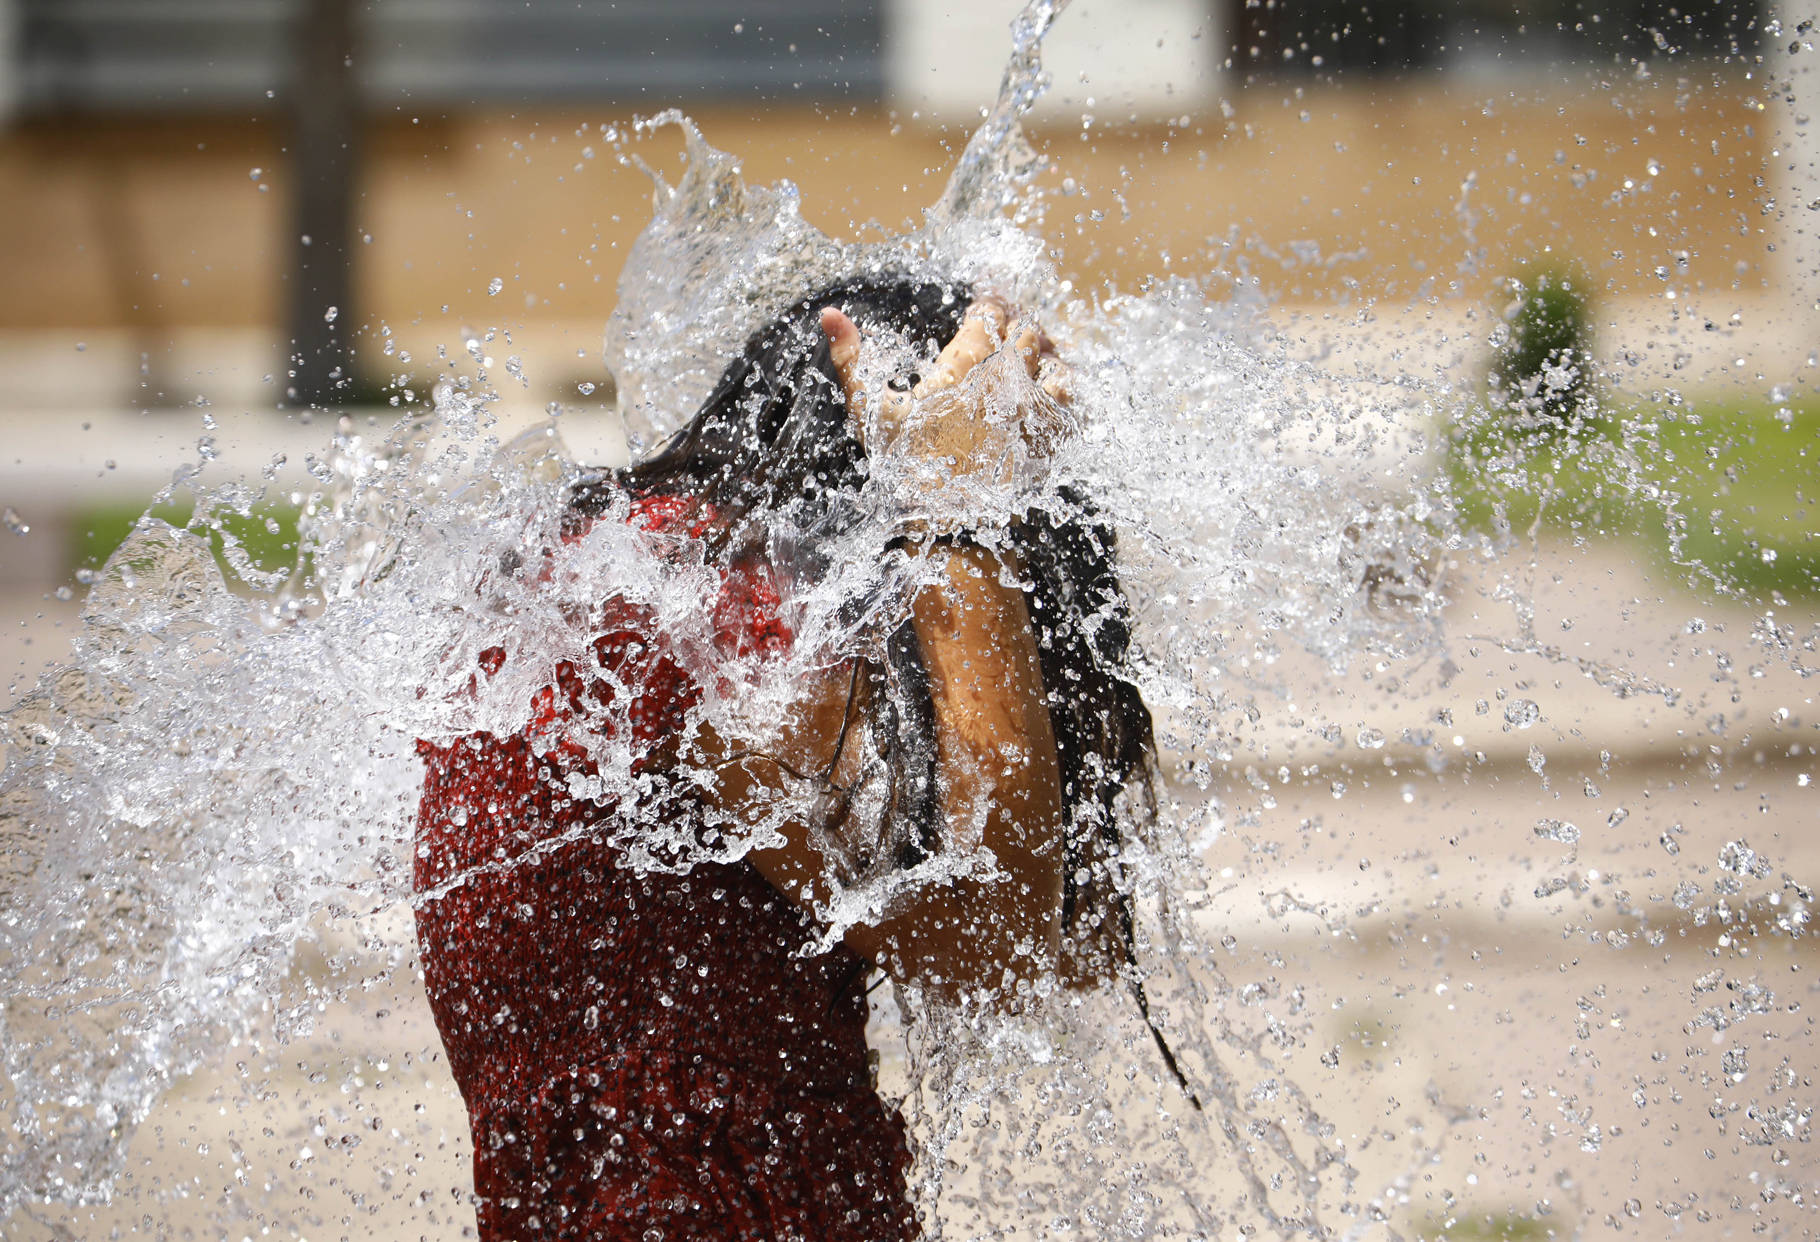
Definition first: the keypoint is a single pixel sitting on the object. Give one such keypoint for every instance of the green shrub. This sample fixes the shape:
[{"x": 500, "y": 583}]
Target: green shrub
[{"x": 1543, "y": 372}]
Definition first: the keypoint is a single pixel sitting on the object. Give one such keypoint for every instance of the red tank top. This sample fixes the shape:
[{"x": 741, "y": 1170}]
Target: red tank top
[{"x": 640, "y": 1052}]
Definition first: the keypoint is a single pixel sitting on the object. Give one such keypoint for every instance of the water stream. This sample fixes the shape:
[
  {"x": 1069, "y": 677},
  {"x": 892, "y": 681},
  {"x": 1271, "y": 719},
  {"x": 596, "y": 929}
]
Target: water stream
[{"x": 206, "y": 816}]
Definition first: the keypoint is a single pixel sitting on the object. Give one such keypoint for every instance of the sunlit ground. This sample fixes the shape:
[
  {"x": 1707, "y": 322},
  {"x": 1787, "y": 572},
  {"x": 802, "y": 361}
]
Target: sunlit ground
[{"x": 1511, "y": 1029}]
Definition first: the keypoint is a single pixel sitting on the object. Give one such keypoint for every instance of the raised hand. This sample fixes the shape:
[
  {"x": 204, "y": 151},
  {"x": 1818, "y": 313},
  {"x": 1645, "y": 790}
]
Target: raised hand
[{"x": 979, "y": 411}]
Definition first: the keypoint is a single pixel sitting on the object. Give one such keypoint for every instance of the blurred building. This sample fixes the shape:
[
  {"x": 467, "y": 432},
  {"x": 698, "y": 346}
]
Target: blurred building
[{"x": 1334, "y": 154}]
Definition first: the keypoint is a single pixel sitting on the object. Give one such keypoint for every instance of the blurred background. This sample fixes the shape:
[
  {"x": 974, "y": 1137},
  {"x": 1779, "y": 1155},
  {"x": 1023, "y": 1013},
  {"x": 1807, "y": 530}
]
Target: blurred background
[
  {"x": 255, "y": 206},
  {"x": 227, "y": 224}
]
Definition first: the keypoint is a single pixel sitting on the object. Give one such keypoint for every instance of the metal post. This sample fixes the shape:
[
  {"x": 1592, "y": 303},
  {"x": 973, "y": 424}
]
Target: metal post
[{"x": 325, "y": 120}]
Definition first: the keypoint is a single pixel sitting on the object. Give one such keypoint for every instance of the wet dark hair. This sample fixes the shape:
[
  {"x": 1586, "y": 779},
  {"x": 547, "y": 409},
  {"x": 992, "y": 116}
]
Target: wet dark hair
[
  {"x": 773, "y": 438},
  {"x": 773, "y": 444},
  {"x": 1105, "y": 742}
]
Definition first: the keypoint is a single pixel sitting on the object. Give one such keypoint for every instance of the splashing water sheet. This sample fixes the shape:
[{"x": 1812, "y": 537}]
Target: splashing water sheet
[{"x": 1445, "y": 945}]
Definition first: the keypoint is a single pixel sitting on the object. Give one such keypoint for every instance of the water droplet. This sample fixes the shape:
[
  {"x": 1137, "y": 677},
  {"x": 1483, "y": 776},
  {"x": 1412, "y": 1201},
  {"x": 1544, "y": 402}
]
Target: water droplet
[
  {"x": 494, "y": 286},
  {"x": 9, "y": 518},
  {"x": 1557, "y": 830},
  {"x": 1522, "y": 713},
  {"x": 331, "y": 314},
  {"x": 1740, "y": 859}
]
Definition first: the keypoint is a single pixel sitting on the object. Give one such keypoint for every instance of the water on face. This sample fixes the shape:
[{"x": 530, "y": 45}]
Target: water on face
[{"x": 206, "y": 818}]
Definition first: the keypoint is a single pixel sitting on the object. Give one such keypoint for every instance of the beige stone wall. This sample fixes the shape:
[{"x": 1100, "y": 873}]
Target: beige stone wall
[{"x": 161, "y": 227}]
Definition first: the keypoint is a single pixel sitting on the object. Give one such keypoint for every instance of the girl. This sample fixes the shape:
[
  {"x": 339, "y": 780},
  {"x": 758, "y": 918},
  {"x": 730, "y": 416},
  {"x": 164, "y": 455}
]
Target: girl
[{"x": 650, "y": 1055}]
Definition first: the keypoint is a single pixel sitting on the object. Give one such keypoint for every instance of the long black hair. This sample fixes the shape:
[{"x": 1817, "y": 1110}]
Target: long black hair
[
  {"x": 773, "y": 440},
  {"x": 773, "y": 444}
]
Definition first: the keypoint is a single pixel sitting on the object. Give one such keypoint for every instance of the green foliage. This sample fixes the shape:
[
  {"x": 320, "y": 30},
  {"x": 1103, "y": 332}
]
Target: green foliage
[
  {"x": 1486, "y": 1227},
  {"x": 1722, "y": 491},
  {"x": 1543, "y": 373},
  {"x": 1502, "y": 472},
  {"x": 267, "y": 535},
  {"x": 1744, "y": 482}
]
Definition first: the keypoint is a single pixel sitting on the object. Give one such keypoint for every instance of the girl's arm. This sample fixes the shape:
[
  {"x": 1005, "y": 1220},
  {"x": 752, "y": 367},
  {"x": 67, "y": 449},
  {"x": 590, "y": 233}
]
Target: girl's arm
[{"x": 995, "y": 748}]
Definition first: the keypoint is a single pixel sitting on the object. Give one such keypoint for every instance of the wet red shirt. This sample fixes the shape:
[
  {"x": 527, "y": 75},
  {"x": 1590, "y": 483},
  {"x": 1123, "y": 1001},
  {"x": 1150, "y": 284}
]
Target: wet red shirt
[{"x": 640, "y": 1052}]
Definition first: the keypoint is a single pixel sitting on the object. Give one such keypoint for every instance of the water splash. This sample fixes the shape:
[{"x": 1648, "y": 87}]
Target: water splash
[{"x": 223, "y": 781}]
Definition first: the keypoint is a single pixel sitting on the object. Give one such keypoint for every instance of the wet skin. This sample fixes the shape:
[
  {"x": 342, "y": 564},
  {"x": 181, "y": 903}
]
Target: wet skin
[{"x": 995, "y": 746}]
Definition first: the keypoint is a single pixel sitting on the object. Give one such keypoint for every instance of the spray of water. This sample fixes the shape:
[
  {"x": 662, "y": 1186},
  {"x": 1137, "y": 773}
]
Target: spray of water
[{"x": 224, "y": 775}]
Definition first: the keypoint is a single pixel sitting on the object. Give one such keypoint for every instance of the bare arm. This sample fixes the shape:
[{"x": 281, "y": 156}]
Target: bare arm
[
  {"x": 999, "y": 790},
  {"x": 995, "y": 748}
]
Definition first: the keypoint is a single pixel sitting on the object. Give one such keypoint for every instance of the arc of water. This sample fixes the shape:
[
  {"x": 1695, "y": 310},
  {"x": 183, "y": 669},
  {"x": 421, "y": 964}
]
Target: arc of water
[{"x": 997, "y": 162}]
